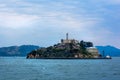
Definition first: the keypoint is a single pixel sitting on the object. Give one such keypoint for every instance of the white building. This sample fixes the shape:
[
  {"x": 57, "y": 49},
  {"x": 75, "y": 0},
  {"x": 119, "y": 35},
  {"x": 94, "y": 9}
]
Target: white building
[{"x": 93, "y": 51}]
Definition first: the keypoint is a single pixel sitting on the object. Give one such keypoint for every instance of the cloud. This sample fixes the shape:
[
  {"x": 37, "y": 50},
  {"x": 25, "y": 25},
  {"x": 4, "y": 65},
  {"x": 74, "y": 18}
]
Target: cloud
[
  {"x": 14, "y": 20},
  {"x": 102, "y": 2},
  {"x": 54, "y": 15},
  {"x": 114, "y": 1},
  {"x": 13, "y": 16},
  {"x": 84, "y": 19}
]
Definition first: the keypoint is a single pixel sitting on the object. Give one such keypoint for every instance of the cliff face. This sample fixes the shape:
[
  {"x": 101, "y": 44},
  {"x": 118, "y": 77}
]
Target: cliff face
[{"x": 62, "y": 50}]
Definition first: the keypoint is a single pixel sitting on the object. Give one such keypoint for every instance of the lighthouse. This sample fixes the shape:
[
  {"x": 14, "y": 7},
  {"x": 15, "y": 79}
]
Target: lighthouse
[{"x": 66, "y": 36}]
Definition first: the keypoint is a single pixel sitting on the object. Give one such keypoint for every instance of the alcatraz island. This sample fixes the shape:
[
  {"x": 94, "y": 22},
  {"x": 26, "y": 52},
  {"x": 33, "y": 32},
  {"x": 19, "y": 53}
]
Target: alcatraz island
[{"x": 67, "y": 49}]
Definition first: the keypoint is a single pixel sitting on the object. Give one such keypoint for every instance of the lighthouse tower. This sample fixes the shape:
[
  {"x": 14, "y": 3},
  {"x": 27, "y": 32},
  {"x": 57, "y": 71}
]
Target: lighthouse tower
[{"x": 66, "y": 36}]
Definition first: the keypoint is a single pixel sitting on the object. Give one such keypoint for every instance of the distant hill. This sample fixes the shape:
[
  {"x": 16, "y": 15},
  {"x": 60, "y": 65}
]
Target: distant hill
[
  {"x": 109, "y": 50},
  {"x": 17, "y": 50},
  {"x": 25, "y": 49}
]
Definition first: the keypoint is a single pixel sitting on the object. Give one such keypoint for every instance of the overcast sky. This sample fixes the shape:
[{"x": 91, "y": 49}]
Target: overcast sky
[{"x": 45, "y": 22}]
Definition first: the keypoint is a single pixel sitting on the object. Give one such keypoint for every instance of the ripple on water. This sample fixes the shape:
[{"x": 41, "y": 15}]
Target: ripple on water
[{"x": 38, "y": 69}]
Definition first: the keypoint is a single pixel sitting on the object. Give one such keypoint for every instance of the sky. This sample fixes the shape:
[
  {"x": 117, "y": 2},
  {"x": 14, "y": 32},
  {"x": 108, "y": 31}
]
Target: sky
[{"x": 45, "y": 22}]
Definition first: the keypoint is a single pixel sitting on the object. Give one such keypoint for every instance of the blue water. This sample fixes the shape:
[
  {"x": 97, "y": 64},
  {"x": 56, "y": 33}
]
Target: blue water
[{"x": 19, "y": 68}]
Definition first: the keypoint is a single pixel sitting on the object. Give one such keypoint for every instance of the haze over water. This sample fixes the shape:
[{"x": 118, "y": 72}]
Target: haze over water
[{"x": 19, "y": 68}]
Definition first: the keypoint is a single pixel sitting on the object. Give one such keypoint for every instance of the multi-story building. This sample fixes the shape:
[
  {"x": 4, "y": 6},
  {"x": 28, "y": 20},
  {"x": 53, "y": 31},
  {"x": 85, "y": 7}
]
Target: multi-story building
[{"x": 67, "y": 40}]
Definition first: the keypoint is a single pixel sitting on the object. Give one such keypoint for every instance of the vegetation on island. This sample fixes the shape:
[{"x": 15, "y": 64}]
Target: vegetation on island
[{"x": 63, "y": 50}]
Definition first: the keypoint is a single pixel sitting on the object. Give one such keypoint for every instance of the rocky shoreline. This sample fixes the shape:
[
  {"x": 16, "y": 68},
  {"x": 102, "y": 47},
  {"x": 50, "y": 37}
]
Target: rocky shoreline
[{"x": 72, "y": 58}]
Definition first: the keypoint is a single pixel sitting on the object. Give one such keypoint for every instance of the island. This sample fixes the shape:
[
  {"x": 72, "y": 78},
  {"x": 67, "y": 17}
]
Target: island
[{"x": 67, "y": 49}]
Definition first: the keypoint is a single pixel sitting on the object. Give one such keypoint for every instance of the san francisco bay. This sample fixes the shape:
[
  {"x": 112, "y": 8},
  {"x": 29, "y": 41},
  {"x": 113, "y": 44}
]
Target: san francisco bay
[{"x": 20, "y": 68}]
